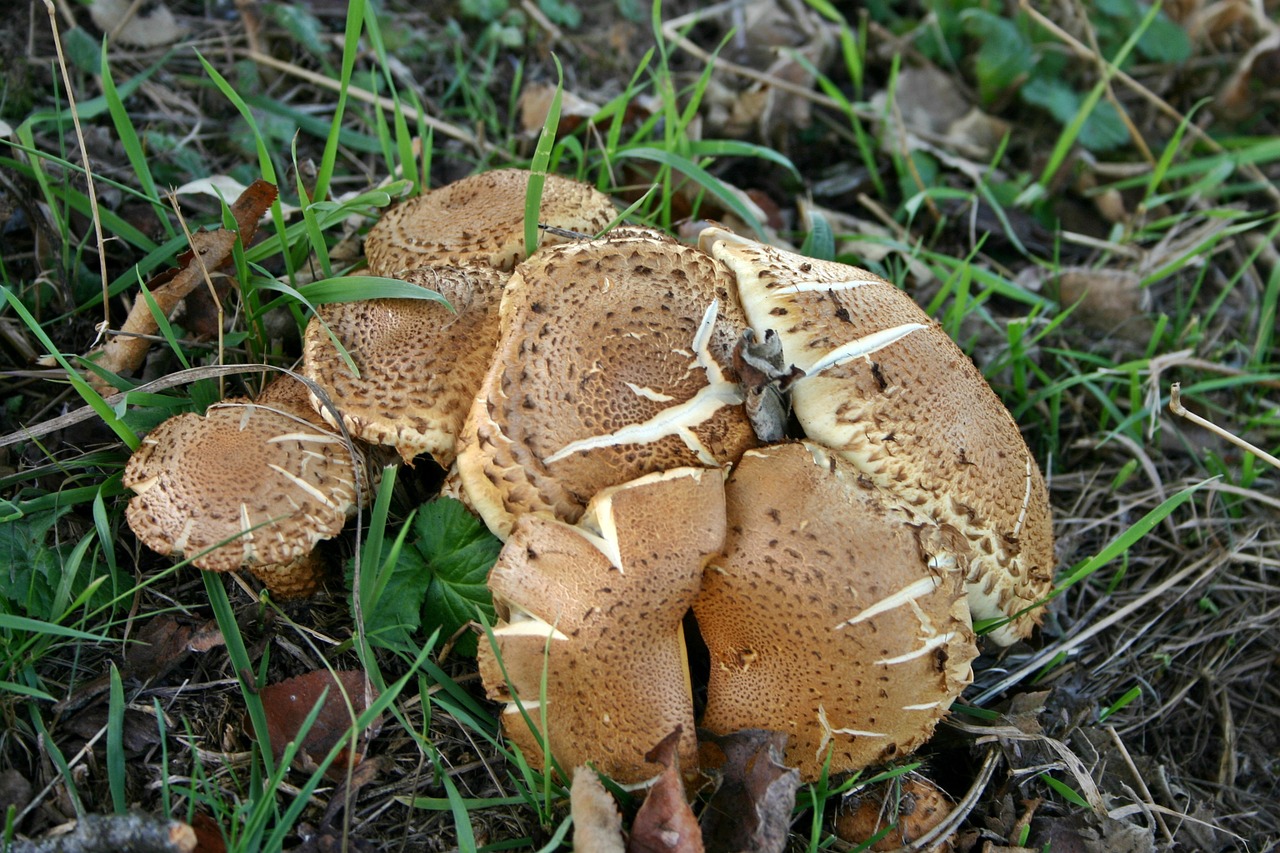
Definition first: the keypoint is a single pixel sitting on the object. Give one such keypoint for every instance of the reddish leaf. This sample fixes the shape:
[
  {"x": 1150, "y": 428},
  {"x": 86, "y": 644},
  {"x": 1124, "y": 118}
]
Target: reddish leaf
[
  {"x": 288, "y": 703},
  {"x": 208, "y": 835},
  {"x": 665, "y": 823},
  {"x": 751, "y": 808}
]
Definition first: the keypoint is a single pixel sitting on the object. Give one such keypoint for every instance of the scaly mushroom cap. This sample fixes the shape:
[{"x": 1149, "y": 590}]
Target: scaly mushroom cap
[
  {"x": 480, "y": 219},
  {"x": 614, "y": 361},
  {"x": 836, "y": 614},
  {"x": 419, "y": 362},
  {"x": 598, "y": 606},
  {"x": 889, "y": 390},
  {"x": 245, "y": 485}
]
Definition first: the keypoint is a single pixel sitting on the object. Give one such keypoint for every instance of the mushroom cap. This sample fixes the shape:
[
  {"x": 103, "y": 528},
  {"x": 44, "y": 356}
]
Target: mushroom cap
[
  {"x": 481, "y": 219},
  {"x": 892, "y": 393},
  {"x": 835, "y": 614},
  {"x": 598, "y": 607},
  {"x": 245, "y": 484},
  {"x": 614, "y": 361},
  {"x": 419, "y": 362}
]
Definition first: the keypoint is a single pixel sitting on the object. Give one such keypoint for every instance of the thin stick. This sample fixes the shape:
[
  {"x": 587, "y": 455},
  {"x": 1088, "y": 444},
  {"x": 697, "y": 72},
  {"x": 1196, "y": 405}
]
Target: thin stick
[
  {"x": 1175, "y": 406},
  {"x": 1141, "y": 783},
  {"x": 370, "y": 98},
  {"x": 88, "y": 169}
]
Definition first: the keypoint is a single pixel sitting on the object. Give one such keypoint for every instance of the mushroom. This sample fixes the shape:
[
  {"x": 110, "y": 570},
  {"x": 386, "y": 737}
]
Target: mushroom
[
  {"x": 480, "y": 219},
  {"x": 886, "y": 388},
  {"x": 419, "y": 362},
  {"x": 614, "y": 361},
  {"x": 836, "y": 613},
  {"x": 595, "y": 609},
  {"x": 247, "y": 484}
]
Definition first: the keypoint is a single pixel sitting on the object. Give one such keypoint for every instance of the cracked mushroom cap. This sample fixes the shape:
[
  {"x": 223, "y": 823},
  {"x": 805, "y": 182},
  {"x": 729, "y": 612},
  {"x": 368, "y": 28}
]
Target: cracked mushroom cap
[
  {"x": 419, "y": 362},
  {"x": 835, "y": 614},
  {"x": 891, "y": 392},
  {"x": 615, "y": 360},
  {"x": 598, "y": 606},
  {"x": 480, "y": 219},
  {"x": 247, "y": 484}
]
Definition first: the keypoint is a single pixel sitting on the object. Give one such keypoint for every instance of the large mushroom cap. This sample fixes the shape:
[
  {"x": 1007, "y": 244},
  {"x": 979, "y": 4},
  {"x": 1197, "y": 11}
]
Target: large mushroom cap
[
  {"x": 245, "y": 485},
  {"x": 480, "y": 219},
  {"x": 419, "y": 362},
  {"x": 835, "y": 614},
  {"x": 614, "y": 361},
  {"x": 598, "y": 608},
  {"x": 891, "y": 392}
]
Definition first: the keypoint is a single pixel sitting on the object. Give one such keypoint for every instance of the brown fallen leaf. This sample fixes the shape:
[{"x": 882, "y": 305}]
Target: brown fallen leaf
[
  {"x": 665, "y": 823},
  {"x": 15, "y": 791},
  {"x": 136, "y": 25},
  {"x": 209, "y": 837},
  {"x": 1112, "y": 301},
  {"x": 751, "y": 807},
  {"x": 209, "y": 251},
  {"x": 597, "y": 824},
  {"x": 288, "y": 704}
]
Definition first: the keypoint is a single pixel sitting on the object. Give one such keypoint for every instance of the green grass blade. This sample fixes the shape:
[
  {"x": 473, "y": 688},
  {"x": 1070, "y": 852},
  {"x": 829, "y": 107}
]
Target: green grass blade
[{"x": 115, "y": 742}]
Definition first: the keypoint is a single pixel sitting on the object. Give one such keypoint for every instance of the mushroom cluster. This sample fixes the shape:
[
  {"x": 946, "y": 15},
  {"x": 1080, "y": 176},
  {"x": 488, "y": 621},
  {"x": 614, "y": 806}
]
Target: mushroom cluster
[{"x": 789, "y": 448}]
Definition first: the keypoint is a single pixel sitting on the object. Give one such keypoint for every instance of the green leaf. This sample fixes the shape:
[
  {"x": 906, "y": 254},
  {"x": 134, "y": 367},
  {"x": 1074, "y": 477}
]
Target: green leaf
[
  {"x": 397, "y": 611},
  {"x": 303, "y": 26},
  {"x": 484, "y": 10},
  {"x": 458, "y": 551},
  {"x": 29, "y": 568},
  {"x": 1165, "y": 41},
  {"x": 1006, "y": 56},
  {"x": 562, "y": 13},
  {"x": 1103, "y": 130}
]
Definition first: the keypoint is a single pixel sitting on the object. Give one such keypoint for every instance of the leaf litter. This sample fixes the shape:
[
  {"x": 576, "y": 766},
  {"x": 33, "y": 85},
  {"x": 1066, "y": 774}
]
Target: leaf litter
[{"x": 1201, "y": 649}]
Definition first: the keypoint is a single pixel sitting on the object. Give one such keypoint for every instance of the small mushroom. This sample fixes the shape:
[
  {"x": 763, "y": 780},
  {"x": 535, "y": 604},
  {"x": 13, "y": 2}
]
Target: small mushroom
[
  {"x": 595, "y": 610},
  {"x": 247, "y": 484},
  {"x": 419, "y": 363},
  {"x": 480, "y": 219},
  {"x": 836, "y": 613},
  {"x": 888, "y": 389},
  {"x": 901, "y": 811},
  {"x": 615, "y": 360}
]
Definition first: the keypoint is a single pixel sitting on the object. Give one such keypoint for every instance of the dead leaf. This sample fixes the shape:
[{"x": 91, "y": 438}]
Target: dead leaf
[
  {"x": 751, "y": 808},
  {"x": 1092, "y": 833},
  {"x": 1107, "y": 300},
  {"x": 209, "y": 837},
  {"x": 139, "y": 734},
  {"x": 15, "y": 791},
  {"x": 151, "y": 25},
  {"x": 665, "y": 823},
  {"x": 288, "y": 704},
  {"x": 535, "y": 103},
  {"x": 597, "y": 824},
  {"x": 209, "y": 251}
]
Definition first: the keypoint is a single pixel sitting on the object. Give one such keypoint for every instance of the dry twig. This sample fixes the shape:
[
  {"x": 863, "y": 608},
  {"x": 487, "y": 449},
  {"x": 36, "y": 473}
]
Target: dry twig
[{"x": 1175, "y": 406}]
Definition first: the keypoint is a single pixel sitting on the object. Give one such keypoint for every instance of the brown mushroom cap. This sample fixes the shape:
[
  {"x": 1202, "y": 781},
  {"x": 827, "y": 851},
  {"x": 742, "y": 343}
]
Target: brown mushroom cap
[
  {"x": 419, "y": 362},
  {"x": 889, "y": 390},
  {"x": 480, "y": 219},
  {"x": 836, "y": 614},
  {"x": 614, "y": 361},
  {"x": 246, "y": 484},
  {"x": 598, "y": 607}
]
